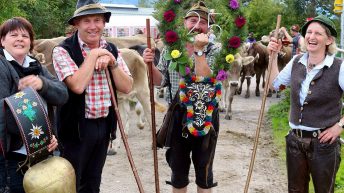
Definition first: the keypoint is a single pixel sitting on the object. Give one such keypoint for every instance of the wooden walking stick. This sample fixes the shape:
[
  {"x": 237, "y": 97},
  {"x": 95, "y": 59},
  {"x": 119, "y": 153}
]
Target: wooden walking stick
[
  {"x": 151, "y": 89},
  {"x": 124, "y": 138},
  {"x": 261, "y": 114}
]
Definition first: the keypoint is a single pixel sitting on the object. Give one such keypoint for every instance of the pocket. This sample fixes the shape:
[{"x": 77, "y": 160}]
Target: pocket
[
  {"x": 292, "y": 145},
  {"x": 327, "y": 148}
]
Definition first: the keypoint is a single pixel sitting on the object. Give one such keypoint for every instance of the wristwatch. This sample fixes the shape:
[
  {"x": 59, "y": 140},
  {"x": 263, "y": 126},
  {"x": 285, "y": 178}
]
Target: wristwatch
[
  {"x": 199, "y": 53},
  {"x": 341, "y": 123}
]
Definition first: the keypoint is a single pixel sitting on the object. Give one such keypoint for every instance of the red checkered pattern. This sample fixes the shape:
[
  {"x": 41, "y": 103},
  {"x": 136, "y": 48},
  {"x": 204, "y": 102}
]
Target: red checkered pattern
[{"x": 97, "y": 93}]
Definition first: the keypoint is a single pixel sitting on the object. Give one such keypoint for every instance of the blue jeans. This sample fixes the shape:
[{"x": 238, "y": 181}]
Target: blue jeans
[{"x": 9, "y": 177}]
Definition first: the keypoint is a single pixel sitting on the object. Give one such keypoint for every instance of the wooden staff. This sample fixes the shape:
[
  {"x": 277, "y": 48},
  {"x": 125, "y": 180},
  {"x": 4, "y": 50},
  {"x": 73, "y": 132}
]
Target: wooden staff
[
  {"x": 124, "y": 138},
  {"x": 271, "y": 60},
  {"x": 151, "y": 88}
]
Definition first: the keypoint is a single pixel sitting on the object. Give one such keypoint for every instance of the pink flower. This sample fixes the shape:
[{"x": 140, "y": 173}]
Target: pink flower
[
  {"x": 240, "y": 21},
  {"x": 234, "y": 42},
  {"x": 233, "y": 4},
  {"x": 171, "y": 36},
  {"x": 221, "y": 75},
  {"x": 169, "y": 15},
  {"x": 177, "y": 1}
]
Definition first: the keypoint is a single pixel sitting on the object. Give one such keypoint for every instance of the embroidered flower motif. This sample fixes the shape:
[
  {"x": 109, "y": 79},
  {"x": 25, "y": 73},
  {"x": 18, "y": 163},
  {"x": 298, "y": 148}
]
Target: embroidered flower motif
[
  {"x": 36, "y": 131},
  {"x": 171, "y": 36},
  {"x": 18, "y": 111},
  {"x": 24, "y": 107},
  {"x": 175, "y": 54},
  {"x": 19, "y": 95},
  {"x": 229, "y": 58},
  {"x": 240, "y": 21},
  {"x": 34, "y": 104},
  {"x": 234, "y": 42},
  {"x": 169, "y": 15},
  {"x": 26, "y": 100}
]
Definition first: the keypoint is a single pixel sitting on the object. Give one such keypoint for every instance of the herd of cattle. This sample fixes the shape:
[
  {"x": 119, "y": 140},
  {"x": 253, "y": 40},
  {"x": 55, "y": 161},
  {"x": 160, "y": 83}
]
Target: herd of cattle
[{"x": 251, "y": 60}]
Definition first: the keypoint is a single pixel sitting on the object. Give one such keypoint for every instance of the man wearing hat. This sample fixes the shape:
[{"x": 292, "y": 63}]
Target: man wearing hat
[
  {"x": 178, "y": 155},
  {"x": 87, "y": 119},
  {"x": 317, "y": 84},
  {"x": 295, "y": 38}
]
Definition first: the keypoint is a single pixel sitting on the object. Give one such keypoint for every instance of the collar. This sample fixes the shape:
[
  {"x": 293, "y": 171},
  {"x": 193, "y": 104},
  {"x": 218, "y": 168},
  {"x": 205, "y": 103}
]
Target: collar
[
  {"x": 27, "y": 59},
  {"x": 328, "y": 61},
  {"x": 102, "y": 43}
]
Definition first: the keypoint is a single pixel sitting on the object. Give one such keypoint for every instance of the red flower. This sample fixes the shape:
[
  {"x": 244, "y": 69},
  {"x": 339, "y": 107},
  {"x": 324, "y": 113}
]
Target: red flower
[
  {"x": 171, "y": 36},
  {"x": 169, "y": 15},
  {"x": 234, "y": 42},
  {"x": 240, "y": 21}
]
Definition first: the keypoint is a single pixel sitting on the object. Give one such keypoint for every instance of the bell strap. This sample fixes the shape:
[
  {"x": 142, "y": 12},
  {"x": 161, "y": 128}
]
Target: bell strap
[{"x": 33, "y": 123}]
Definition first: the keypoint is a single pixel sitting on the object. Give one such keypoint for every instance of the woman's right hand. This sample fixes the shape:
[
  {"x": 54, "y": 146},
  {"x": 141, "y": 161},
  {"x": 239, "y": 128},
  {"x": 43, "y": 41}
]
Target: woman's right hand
[
  {"x": 274, "y": 45},
  {"x": 148, "y": 55}
]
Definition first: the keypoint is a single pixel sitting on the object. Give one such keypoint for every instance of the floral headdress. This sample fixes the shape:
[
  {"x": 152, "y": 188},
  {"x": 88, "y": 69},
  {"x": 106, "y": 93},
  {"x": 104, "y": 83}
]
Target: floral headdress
[{"x": 174, "y": 35}]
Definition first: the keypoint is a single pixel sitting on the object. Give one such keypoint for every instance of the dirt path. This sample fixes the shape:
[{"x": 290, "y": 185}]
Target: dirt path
[{"x": 232, "y": 158}]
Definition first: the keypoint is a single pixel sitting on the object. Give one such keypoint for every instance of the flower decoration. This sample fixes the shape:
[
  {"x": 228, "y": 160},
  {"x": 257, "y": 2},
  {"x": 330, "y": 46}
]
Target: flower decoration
[
  {"x": 171, "y": 36},
  {"x": 175, "y": 54},
  {"x": 185, "y": 98},
  {"x": 240, "y": 21},
  {"x": 229, "y": 58},
  {"x": 169, "y": 15},
  {"x": 233, "y": 4}
]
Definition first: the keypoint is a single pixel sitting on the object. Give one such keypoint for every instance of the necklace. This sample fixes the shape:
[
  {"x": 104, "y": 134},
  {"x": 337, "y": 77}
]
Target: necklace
[{"x": 310, "y": 66}]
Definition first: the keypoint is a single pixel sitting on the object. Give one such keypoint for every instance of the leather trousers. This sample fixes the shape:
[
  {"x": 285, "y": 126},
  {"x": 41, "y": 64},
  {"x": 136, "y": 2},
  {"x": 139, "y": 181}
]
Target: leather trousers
[{"x": 307, "y": 157}]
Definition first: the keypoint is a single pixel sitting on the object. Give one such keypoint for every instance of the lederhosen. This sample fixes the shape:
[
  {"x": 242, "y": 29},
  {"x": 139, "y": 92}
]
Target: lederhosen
[{"x": 182, "y": 142}]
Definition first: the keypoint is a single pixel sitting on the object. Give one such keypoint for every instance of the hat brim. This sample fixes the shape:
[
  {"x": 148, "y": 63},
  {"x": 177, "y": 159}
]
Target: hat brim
[
  {"x": 305, "y": 26},
  {"x": 201, "y": 13},
  {"x": 107, "y": 15}
]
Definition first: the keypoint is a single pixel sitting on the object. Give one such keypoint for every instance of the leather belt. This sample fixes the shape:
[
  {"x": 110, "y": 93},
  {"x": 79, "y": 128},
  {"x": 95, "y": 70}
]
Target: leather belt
[{"x": 307, "y": 134}]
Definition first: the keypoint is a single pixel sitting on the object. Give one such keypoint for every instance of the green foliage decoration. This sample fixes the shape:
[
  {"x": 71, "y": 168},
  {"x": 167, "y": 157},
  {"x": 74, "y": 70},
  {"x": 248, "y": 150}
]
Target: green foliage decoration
[{"x": 231, "y": 19}]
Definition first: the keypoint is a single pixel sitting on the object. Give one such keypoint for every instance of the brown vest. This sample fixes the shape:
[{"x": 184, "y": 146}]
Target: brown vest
[{"x": 322, "y": 105}]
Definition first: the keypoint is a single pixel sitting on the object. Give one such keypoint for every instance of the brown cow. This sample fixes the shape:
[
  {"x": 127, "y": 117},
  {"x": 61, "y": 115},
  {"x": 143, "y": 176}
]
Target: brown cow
[
  {"x": 232, "y": 83},
  {"x": 258, "y": 68}
]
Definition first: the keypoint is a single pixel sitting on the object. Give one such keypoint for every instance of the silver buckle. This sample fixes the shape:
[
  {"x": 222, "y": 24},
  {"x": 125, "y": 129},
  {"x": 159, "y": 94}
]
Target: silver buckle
[{"x": 315, "y": 134}]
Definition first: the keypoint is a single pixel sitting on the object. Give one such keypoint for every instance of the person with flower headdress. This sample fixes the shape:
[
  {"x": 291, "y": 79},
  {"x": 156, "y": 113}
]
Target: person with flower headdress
[
  {"x": 87, "y": 120},
  {"x": 181, "y": 141},
  {"x": 316, "y": 90}
]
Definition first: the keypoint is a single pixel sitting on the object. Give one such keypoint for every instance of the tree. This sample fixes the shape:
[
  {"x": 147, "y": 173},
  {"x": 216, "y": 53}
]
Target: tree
[
  {"x": 49, "y": 18},
  {"x": 9, "y": 10},
  {"x": 261, "y": 16}
]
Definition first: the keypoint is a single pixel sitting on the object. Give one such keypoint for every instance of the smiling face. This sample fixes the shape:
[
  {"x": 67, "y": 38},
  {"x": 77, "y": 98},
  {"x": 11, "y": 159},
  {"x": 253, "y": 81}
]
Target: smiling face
[
  {"x": 17, "y": 43},
  {"x": 317, "y": 38},
  {"x": 90, "y": 29},
  {"x": 201, "y": 27}
]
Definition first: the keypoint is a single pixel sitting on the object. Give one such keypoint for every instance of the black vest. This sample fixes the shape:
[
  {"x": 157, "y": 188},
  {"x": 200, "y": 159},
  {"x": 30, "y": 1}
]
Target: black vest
[
  {"x": 323, "y": 104},
  {"x": 71, "y": 116}
]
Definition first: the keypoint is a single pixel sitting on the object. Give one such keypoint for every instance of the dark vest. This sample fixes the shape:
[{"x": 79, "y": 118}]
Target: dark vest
[
  {"x": 71, "y": 116},
  {"x": 322, "y": 105}
]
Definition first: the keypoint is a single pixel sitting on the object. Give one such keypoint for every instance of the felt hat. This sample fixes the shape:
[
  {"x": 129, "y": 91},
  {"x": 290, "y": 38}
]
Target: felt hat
[
  {"x": 89, "y": 7},
  {"x": 323, "y": 20},
  {"x": 202, "y": 10}
]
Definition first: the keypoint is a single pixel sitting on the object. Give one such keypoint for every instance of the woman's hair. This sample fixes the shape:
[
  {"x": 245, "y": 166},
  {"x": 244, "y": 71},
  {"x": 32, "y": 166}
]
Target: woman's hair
[
  {"x": 17, "y": 23},
  {"x": 330, "y": 49}
]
